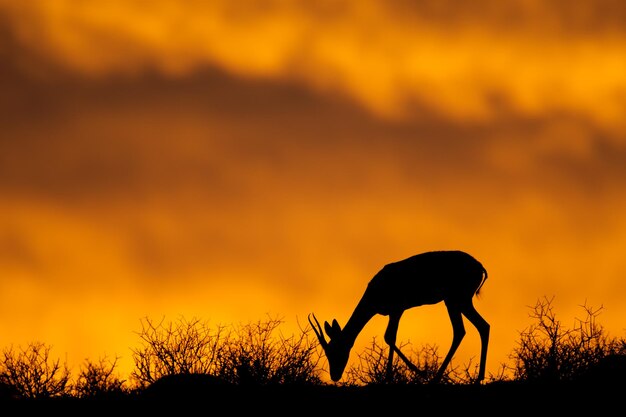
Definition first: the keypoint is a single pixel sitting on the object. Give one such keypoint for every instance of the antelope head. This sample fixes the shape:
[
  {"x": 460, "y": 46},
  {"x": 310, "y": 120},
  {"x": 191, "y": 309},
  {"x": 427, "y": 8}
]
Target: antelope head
[{"x": 337, "y": 349}]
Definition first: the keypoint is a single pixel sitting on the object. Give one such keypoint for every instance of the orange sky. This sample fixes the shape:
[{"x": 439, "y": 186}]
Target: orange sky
[{"x": 229, "y": 160}]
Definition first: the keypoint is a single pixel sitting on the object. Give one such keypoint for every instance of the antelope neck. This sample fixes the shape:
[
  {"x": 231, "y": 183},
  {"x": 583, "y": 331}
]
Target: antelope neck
[{"x": 361, "y": 315}]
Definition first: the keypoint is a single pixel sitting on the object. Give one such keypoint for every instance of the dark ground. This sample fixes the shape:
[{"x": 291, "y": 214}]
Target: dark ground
[{"x": 206, "y": 397}]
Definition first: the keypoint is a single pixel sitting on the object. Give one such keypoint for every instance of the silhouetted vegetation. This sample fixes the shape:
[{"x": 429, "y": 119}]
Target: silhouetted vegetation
[
  {"x": 32, "y": 373},
  {"x": 180, "y": 347},
  {"x": 99, "y": 380},
  {"x": 184, "y": 354},
  {"x": 371, "y": 367},
  {"x": 256, "y": 355},
  {"x": 249, "y": 353},
  {"x": 548, "y": 351}
]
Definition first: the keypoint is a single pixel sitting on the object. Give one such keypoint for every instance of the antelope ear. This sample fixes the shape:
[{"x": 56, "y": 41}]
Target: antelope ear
[
  {"x": 329, "y": 330},
  {"x": 333, "y": 330}
]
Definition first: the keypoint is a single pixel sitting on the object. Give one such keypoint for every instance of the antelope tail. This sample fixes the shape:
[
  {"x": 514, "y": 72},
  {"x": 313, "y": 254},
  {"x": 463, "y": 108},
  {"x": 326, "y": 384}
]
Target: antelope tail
[{"x": 484, "y": 272}]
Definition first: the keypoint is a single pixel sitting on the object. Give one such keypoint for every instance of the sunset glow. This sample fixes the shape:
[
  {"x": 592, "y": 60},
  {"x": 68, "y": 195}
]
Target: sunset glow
[{"x": 230, "y": 160}]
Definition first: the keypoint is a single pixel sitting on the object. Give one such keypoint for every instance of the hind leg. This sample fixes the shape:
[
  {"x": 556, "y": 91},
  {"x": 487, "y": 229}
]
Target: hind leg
[
  {"x": 483, "y": 330},
  {"x": 458, "y": 330}
]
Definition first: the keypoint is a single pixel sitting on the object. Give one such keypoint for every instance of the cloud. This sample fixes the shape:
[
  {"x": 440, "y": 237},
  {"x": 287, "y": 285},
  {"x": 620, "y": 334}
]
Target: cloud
[
  {"x": 193, "y": 172},
  {"x": 468, "y": 61}
]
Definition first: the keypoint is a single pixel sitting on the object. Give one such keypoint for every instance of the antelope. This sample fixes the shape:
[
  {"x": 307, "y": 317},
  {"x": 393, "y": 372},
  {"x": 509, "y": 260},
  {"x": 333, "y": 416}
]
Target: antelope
[{"x": 453, "y": 277}]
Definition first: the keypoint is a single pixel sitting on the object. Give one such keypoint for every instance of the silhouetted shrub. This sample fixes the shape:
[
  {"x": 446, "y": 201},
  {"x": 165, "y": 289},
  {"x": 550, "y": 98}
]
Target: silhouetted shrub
[
  {"x": 245, "y": 354},
  {"x": 256, "y": 355},
  {"x": 33, "y": 374},
  {"x": 98, "y": 380},
  {"x": 183, "y": 387},
  {"x": 371, "y": 367},
  {"x": 549, "y": 352},
  {"x": 8, "y": 392},
  {"x": 606, "y": 372},
  {"x": 181, "y": 347}
]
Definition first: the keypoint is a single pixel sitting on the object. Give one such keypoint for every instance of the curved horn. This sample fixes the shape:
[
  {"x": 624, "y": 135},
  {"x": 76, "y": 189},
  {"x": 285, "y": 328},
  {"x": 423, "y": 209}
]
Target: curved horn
[{"x": 318, "y": 330}]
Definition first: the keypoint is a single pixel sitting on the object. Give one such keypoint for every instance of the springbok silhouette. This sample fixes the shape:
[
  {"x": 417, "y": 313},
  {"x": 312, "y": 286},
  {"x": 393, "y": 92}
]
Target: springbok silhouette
[{"x": 453, "y": 277}]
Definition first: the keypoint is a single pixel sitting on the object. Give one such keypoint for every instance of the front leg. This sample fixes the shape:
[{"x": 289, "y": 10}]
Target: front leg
[
  {"x": 406, "y": 360},
  {"x": 390, "y": 339}
]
